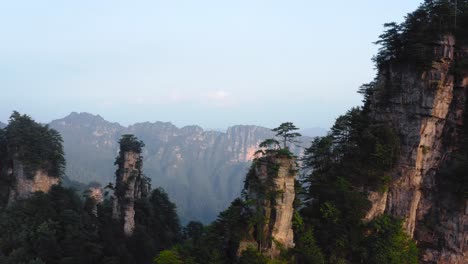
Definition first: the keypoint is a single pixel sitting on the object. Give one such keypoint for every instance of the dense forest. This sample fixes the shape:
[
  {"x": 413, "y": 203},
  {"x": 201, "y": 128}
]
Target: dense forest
[{"x": 334, "y": 178}]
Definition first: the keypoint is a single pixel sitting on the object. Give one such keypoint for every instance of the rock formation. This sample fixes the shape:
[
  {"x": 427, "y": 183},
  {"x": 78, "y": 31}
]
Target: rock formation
[
  {"x": 427, "y": 109},
  {"x": 24, "y": 185},
  {"x": 201, "y": 170},
  {"x": 270, "y": 187},
  {"x": 95, "y": 197},
  {"x": 130, "y": 185},
  {"x": 31, "y": 158}
]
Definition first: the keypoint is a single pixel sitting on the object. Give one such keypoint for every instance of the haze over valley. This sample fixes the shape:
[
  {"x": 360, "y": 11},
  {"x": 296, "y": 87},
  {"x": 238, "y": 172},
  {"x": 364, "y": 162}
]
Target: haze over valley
[{"x": 202, "y": 171}]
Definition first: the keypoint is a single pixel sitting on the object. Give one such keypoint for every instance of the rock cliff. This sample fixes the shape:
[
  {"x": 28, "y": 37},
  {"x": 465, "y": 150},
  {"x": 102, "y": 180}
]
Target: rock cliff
[
  {"x": 269, "y": 186},
  {"x": 130, "y": 185},
  {"x": 427, "y": 110},
  {"x": 23, "y": 185}
]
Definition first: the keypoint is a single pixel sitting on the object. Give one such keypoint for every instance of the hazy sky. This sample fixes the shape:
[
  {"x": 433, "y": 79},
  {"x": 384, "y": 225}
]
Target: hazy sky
[{"x": 209, "y": 62}]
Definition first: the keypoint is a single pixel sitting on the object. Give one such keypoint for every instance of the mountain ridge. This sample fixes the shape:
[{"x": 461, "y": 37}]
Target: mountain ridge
[{"x": 202, "y": 170}]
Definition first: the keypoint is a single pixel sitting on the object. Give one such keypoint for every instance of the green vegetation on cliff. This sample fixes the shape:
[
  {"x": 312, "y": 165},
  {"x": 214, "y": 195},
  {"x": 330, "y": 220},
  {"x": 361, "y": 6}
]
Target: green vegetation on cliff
[
  {"x": 56, "y": 228},
  {"x": 62, "y": 227},
  {"x": 412, "y": 42},
  {"x": 36, "y": 146}
]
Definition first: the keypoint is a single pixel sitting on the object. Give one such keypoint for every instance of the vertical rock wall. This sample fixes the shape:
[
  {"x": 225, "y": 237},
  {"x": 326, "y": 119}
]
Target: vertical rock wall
[
  {"x": 271, "y": 188},
  {"x": 426, "y": 109}
]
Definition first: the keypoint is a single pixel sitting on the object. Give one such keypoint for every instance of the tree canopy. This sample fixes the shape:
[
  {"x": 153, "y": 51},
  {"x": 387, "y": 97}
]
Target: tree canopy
[{"x": 36, "y": 146}]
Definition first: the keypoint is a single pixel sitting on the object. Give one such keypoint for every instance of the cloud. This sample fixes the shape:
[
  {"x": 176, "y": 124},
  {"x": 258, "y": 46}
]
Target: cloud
[
  {"x": 219, "y": 95},
  {"x": 219, "y": 98}
]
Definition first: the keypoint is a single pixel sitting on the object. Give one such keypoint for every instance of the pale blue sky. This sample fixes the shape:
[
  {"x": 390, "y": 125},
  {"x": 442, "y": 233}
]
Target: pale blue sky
[{"x": 214, "y": 63}]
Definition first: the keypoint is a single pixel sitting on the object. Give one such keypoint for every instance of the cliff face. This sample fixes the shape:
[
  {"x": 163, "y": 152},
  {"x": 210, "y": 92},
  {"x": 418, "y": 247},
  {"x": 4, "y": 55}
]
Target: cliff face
[
  {"x": 130, "y": 186},
  {"x": 270, "y": 185},
  {"x": 426, "y": 109},
  {"x": 202, "y": 171},
  {"x": 23, "y": 186}
]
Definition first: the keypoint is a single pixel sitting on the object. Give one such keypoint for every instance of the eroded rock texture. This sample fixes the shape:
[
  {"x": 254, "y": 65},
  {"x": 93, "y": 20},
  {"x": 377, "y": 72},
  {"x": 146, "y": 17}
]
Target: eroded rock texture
[
  {"x": 426, "y": 108},
  {"x": 131, "y": 185},
  {"x": 270, "y": 186},
  {"x": 24, "y": 185}
]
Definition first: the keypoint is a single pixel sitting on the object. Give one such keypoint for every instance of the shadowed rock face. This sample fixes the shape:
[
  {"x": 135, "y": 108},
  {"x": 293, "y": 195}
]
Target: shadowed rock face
[
  {"x": 202, "y": 171},
  {"x": 270, "y": 184},
  {"x": 427, "y": 110}
]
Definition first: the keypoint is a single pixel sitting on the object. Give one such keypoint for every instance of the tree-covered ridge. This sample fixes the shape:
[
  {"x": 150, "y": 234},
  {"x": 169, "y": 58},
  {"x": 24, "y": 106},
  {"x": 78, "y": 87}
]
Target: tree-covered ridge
[
  {"x": 57, "y": 228},
  {"x": 63, "y": 227},
  {"x": 355, "y": 148},
  {"x": 36, "y": 146}
]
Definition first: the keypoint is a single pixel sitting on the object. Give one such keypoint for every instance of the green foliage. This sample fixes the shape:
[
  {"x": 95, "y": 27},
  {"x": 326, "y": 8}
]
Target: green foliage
[
  {"x": 270, "y": 144},
  {"x": 56, "y": 228},
  {"x": 157, "y": 218},
  {"x": 356, "y": 155},
  {"x": 412, "y": 42},
  {"x": 168, "y": 257},
  {"x": 307, "y": 250},
  {"x": 356, "y": 149},
  {"x": 129, "y": 142},
  {"x": 34, "y": 145},
  {"x": 387, "y": 243},
  {"x": 52, "y": 228},
  {"x": 218, "y": 242},
  {"x": 252, "y": 256},
  {"x": 285, "y": 132},
  {"x": 193, "y": 231}
]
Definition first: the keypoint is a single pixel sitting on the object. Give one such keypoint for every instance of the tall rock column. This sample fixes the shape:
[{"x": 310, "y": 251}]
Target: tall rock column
[
  {"x": 269, "y": 186},
  {"x": 131, "y": 184}
]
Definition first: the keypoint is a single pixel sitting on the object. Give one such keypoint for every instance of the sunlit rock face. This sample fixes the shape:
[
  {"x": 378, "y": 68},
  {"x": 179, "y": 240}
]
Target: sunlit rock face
[
  {"x": 270, "y": 185},
  {"x": 24, "y": 185},
  {"x": 427, "y": 110}
]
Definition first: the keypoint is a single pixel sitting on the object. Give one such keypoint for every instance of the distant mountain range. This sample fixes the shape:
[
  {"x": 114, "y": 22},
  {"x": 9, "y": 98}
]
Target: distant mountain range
[{"x": 202, "y": 171}]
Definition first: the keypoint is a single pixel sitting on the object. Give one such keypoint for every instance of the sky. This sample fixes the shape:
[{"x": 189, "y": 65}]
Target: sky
[{"x": 213, "y": 63}]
